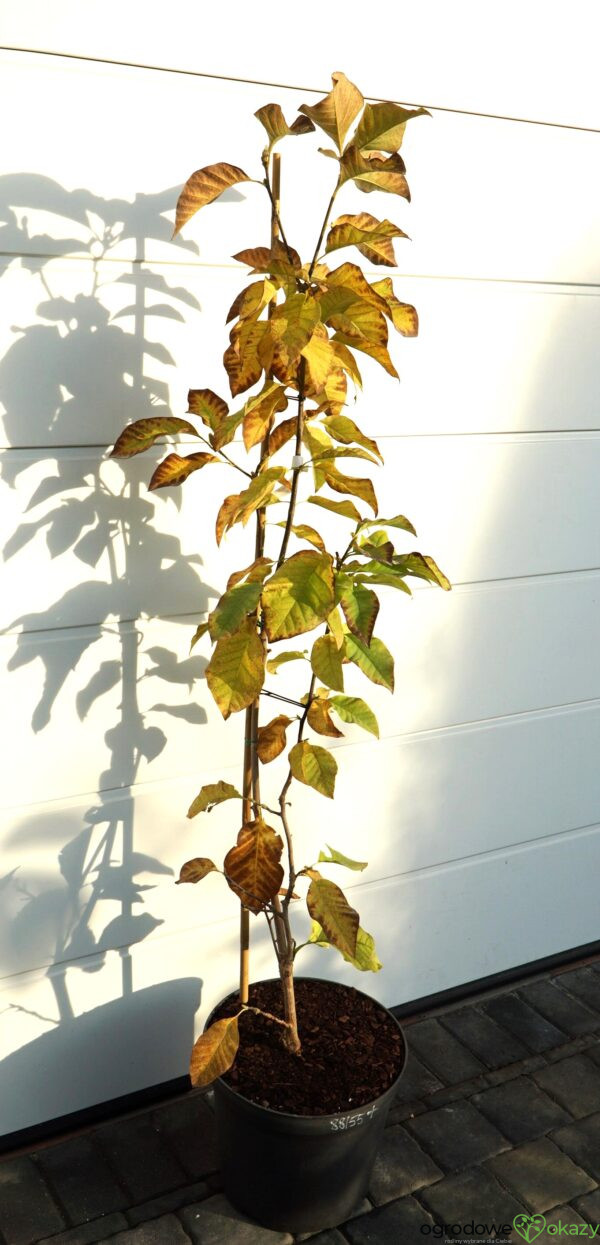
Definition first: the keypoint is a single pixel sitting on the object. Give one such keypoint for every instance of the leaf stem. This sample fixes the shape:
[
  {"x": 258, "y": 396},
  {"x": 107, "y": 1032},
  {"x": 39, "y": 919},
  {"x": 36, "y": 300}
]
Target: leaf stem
[{"x": 323, "y": 228}]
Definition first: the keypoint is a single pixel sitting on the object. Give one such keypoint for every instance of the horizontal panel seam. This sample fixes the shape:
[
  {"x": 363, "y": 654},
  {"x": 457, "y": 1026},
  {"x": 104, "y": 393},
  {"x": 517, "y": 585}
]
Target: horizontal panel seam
[
  {"x": 530, "y": 436},
  {"x": 285, "y": 86}
]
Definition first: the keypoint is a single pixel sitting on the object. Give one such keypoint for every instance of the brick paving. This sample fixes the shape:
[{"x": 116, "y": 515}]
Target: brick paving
[{"x": 497, "y": 1115}]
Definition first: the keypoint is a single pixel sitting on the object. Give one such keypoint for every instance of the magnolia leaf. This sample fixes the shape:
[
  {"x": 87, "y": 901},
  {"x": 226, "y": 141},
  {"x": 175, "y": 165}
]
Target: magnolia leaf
[
  {"x": 403, "y": 315},
  {"x": 278, "y": 260},
  {"x": 201, "y": 630},
  {"x": 140, "y": 435},
  {"x": 345, "y": 508},
  {"x": 299, "y": 595},
  {"x": 374, "y": 172},
  {"x": 257, "y": 571},
  {"x": 320, "y": 356},
  {"x": 356, "y": 711},
  {"x": 374, "y": 659},
  {"x": 351, "y": 484},
  {"x": 252, "y": 300},
  {"x": 360, "y": 607},
  {"x": 282, "y": 659},
  {"x": 174, "y": 470},
  {"x": 282, "y": 434},
  {"x": 332, "y": 395},
  {"x": 350, "y": 278},
  {"x": 328, "y": 905},
  {"x": 214, "y": 1052},
  {"x": 238, "y": 507},
  {"x": 227, "y": 430},
  {"x": 210, "y": 408},
  {"x": 259, "y": 412},
  {"x": 374, "y": 238},
  {"x": 233, "y": 607},
  {"x": 336, "y": 628},
  {"x": 204, "y": 186},
  {"x": 399, "y": 520},
  {"x": 329, "y": 455},
  {"x": 335, "y": 113},
  {"x": 319, "y": 718},
  {"x": 197, "y": 869},
  {"x": 241, "y": 359},
  {"x": 382, "y": 126},
  {"x": 326, "y": 661},
  {"x": 236, "y": 670},
  {"x": 304, "y": 532},
  {"x": 290, "y": 328},
  {"x": 343, "y": 429},
  {"x": 212, "y": 794},
  {"x": 314, "y": 766},
  {"x": 376, "y": 351},
  {"x": 252, "y": 867},
  {"x": 365, "y": 957},
  {"x": 274, "y": 122},
  {"x": 271, "y": 738},
  {"x": 387, "y": 577},
  {"x": 338, "y": 858},
  {"x": 423, "y": 567}
]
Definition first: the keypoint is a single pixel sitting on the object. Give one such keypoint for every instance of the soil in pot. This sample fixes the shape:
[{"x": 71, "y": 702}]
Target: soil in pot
[{"x": 352, "y": 1050}]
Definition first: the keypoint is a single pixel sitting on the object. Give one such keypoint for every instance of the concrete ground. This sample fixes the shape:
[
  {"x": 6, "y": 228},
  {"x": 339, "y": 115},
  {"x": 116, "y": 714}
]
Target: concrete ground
[{"x": 497, "y": 1116}]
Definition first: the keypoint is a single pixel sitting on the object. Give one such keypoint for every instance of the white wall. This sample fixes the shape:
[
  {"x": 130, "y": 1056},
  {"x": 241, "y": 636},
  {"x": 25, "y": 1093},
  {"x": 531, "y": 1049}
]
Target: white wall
[{"x": 479, "y": 811}]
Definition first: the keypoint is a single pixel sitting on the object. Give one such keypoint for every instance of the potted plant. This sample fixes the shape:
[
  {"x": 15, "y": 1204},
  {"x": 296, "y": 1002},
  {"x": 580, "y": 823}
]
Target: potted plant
[{"x": 304, "y": 1069}]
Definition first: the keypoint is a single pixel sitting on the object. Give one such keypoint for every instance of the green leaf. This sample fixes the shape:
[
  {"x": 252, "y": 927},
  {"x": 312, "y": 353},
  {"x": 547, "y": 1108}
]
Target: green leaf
[
  {"x": 142, "y": 433},
  {"x": 299, "y": 595},
  {"x": 360, "y": 607},
  {"x": 374, "y": 659},
  {"x": 201, "y": 630},
  {"x": 338, "y": 858},
  {"x": 174, "y": 470},
  {"x": 377, "y": 573},
  {"x": 372, "y": 237},
  {"x": 256, "y": 572},
  {"x": 252, "y": 867},
  {"x": 214, "y": 1052},
  {"x": 204, "y": 186},
  {"x": 233, "y": 607},
  {"x": 328, "y": 905},
  {"x": 365, "y": 957},
  {"x": 335, "y": 113},
  {"x": 353, "y": 709},
  {"x": 208, "y": 406},
  {"x": 399, "y": 520},
  {"x": 314, "y": 766},
  {"x": 343, "y": 429},
  {"x": 274, "y": 122},
  {"x": 382, "y": 126},
  {"x": 423, "y": 567},
  {"x": 195, "y": 870},
  {"x": 236, "y": 670},
  {"x": 326, "y": 661},
  {"x": 271, "y": 738},
  {"x": 274, "y": 663},
  {"x": 345, "y": 508},
  {"x": 212, "y": 794}
]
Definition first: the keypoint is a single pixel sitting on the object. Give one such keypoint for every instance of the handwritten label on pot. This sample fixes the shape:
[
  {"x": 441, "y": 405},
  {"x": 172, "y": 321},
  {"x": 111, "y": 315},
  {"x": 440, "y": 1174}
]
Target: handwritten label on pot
[{"x": 352, "y": 1121}]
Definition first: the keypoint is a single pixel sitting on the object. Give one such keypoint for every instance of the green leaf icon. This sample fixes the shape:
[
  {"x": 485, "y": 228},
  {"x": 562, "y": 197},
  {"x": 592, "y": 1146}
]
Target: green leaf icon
[{"x": 529, "y": 1226}]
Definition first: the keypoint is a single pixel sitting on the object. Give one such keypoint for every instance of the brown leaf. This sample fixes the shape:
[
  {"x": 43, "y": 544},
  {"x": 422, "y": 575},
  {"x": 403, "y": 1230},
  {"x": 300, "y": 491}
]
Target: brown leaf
[
  {"x": 356, "y": 486},
  {"x": 282, "y": 434},
  {"x": 214, "y": 1052},
  {"x": 197, "y": 869},
  {"x": 274, "y": 122},
  {"x": 252, "y": 300},
  {"x": 271, "y": 738},
  {"x": 318, "y": 717},
  {"x": 210, "y": 408},
  {"x": 336, "y": 112},
  {"x": 260, "y": 411},
  {"x": 204, "y": 186},
  {"x": 241, "y": 360},
  {"x": 174, "y": 470},
  {"x": 328, "y": 905},
  {"x": 382, "y": 126},
  {"x": 236, "y": 671},
  {"x": 372, "y": 237},
  {"x": 143, "y": 433},
  {"x": 374, "y": 172},
  {"x": 252, "y": 867},
  {"x": 403, "y": 315}
]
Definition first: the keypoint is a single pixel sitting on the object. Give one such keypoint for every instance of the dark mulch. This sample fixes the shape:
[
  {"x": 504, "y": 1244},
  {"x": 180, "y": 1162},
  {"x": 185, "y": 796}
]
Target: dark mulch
[{"x": 352, "y": 1050}]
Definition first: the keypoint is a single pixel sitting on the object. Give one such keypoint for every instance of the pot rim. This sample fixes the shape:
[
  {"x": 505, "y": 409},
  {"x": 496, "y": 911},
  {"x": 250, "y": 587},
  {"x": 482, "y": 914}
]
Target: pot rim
[{"x": 326, "y": 1115}]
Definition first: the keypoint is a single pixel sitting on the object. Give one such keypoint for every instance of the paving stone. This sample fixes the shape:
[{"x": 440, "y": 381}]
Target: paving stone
[
  {"x": 404, "y": 1111},
  {"x": 332, "y": 1234},
  {"x": 521, "y": 1068},
  {"x": 540, "y": 1175},
  {"x": 557, "y": 1219},
  {"x": 581, "y": 1142},
  {"x": 27, "y": 1211},
  {"x": 586, "y": 1042},
  {"x": 164, "y": 1231},
  {"x": 89, "y": 1233},
  {"x": 216, "y": 1222},
  {"x": 521, "y": 1110},
  {"x": 188, "y": 1127},
  {"x": 330, "y": 1237},
  {"x": 537, "y": 1033},
  {"x": 594, "y": 1052},
  {"x": 457, "y": 1136},
  {"x": 471, "y": 1194},
  {"x": 584, "y": 983},
  {"x": 552, "y": 1002},
  {"x": 463, "y": 1090},
  {"x": 400, "y": 1167},
  {"x": 141, "y": 1160},
  {"x": 416, "y": 1081},
  {"x": 79, "y": 1174},
  {"x": 446, "y": 1056},
  {"x": 575, "y": 1083},
  {"x": 492, "y": 1044},
  {"x": 589, "y": 1207},
  {"x": 168, "y": 1202},
  {"x": 398, "y": 1223}
]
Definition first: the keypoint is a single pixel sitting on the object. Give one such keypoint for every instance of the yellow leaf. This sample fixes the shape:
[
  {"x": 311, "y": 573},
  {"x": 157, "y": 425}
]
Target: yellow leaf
[
  {"x": 360, "y": 607},
  {"x": 252, "y": 300},
  {"x": 343, "y": 429},
  {"x": 259, "y": 412},
  {"x": 241, "y": 359},
  {"x": 374, "y": 659},
  {"x": 304, "y": 532},
  {"x": 210, "y": 408},
  {"x": 277, "y": 260},
  {"x": 210, "y": 795},
  {"x": 214, "y": 1052},
  {"x": 257, "y": 570},
  {"x": 345, "y": 508},
  {"x": 282, "y": 434},
  {"x": 326, "y": 661},
  {"x": 357, "y": 486},
  {"x": 318, "y": 717},
  {"x": 282, "y": 658},
  {"x": 321, "y": 357},
  {"x": 373, "y": 238},
  {"x": 235, "y": 605},
  {"x": 271, "y": 738},
  {"x": 334, "y": 623},
  {"x": 174, "y": 470},
  {"x": 236, "y": 671},
  {"x": 403, "y": 315},
  {"x": 314, "y": 766},
  {"x": 143, "y": 433},
  {"x": 365, "y": 957},
  {"x": 290, "y": 327},
  {"x": 274, "y": 122},
  {"x": 201, "y": 630},
  {"x": 377, "y": 351},
  {"x": 238, "y": 507},
  {"x": 382, "y": 126},
  {"x": 299, "y": 595},
  {"x": 336, "y": 112},
  {"x": 328, "y": 905},
  {"x": 374, "y": 172},
  {"x": 252, "y": 867},
  {"x": 204, "y": 186},
  {"x": 197, "y": 869}
]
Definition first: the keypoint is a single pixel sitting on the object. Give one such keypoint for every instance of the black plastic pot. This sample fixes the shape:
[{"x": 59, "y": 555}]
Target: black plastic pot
[{"x": 298, "y": 1173}]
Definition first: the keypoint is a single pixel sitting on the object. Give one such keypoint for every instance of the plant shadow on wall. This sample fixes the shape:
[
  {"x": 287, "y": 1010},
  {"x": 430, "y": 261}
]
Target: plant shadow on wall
[{"x": 73, "y": 363}]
